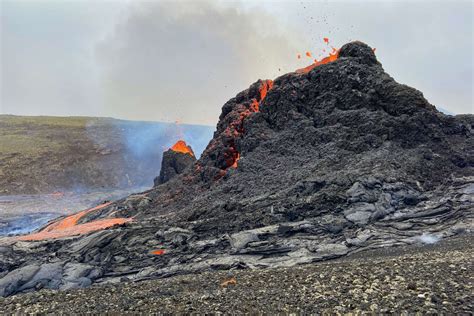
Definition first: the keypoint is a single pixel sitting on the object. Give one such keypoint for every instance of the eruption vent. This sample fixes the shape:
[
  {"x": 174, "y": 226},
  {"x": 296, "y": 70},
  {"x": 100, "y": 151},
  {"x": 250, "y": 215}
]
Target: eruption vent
[
  {"x": 182, "y": 147},
  {"x": 175, "y": 161}
]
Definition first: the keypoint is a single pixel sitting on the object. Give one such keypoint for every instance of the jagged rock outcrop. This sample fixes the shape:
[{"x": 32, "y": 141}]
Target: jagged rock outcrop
[
  {"x": 223, "y": 152},
  {"x": 175, "y": 161},
  {"x": 320, "y": 163}
]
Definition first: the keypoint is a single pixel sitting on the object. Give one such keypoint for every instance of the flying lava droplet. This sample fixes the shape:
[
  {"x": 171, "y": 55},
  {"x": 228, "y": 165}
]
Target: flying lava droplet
[{"x": 308, "y": 54}]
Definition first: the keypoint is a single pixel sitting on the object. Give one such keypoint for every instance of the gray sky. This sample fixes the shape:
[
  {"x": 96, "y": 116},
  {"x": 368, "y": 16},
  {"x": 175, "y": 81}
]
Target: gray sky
[{"x": 182, "y": 60}]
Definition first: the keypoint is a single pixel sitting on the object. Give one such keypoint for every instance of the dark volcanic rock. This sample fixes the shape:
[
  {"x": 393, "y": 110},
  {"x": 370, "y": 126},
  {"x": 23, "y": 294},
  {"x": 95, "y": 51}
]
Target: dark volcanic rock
[
  {"x": 223, "y": 152},
  {"x": 311, "y": 166},
  {"x": 358, "y": 50}
]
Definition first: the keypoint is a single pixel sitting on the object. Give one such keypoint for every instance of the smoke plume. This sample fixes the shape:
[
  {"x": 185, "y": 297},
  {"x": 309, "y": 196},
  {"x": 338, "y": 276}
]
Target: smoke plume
[{"x": 182, "y": 60}]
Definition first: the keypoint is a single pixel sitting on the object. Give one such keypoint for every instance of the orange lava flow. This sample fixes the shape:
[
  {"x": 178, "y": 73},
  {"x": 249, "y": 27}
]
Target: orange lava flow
[
  {"x": 69, "y": 226},
  {"x": 182, "y": 147},
  {"x": 71, "y": 220},
  {"x": 76, "y": 230}
]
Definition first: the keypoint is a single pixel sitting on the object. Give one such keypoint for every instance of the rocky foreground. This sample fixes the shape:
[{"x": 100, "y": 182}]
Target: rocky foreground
[{"x": 428, "y": 279}]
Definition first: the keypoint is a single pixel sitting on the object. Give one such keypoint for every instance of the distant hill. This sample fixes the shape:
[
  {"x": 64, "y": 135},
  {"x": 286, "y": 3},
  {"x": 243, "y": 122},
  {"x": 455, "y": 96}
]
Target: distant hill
[{"x": 48, "y": 154}]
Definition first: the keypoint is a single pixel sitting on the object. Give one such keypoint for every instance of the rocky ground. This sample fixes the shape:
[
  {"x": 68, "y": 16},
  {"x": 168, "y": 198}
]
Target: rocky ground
[{"x": 417, "y": 278}]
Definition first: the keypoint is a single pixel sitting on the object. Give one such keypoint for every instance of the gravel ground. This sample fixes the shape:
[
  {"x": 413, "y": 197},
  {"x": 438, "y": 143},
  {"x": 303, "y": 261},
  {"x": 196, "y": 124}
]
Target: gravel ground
[{"x": 427, "y": 279}]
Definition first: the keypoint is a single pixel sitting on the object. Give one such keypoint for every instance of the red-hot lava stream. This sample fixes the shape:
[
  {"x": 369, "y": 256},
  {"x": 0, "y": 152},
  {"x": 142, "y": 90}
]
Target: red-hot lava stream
[{"x": 69, "y": 226}]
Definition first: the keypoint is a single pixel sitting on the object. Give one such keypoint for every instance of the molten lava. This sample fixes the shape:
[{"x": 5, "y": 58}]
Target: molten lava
[
  {"x": 158, "y": 252},
  {"x": 69, "y": 226},
  {"x": 71, "y": 220},
  {"x": 267, "y": 85},
  {"x": 332, "y": 57},
  {"x": 182, "y": 147}
]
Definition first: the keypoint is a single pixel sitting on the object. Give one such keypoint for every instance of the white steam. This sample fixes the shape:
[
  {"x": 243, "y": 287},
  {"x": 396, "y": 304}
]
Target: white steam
[{"x": 428, "y": 239}]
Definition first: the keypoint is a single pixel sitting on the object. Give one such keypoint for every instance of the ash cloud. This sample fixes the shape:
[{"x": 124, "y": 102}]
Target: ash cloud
[{"x": 182, "y": 60}]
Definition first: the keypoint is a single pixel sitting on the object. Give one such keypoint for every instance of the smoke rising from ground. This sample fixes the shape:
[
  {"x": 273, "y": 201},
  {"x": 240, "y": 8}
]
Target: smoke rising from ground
[
  {"x": 141, "y": 138},
  {"x": 183, "y": 60},
  {"x": 428, "y": 239}
]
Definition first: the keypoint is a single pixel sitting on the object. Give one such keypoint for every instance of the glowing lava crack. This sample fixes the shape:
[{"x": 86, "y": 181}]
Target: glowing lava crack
[{"x": 236, "y": 128}]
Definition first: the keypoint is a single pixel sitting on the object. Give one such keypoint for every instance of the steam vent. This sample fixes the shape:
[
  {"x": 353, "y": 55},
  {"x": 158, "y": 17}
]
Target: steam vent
[
  {"x": 175, "y": 161},
  {"x": 310, "y": 166}
]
